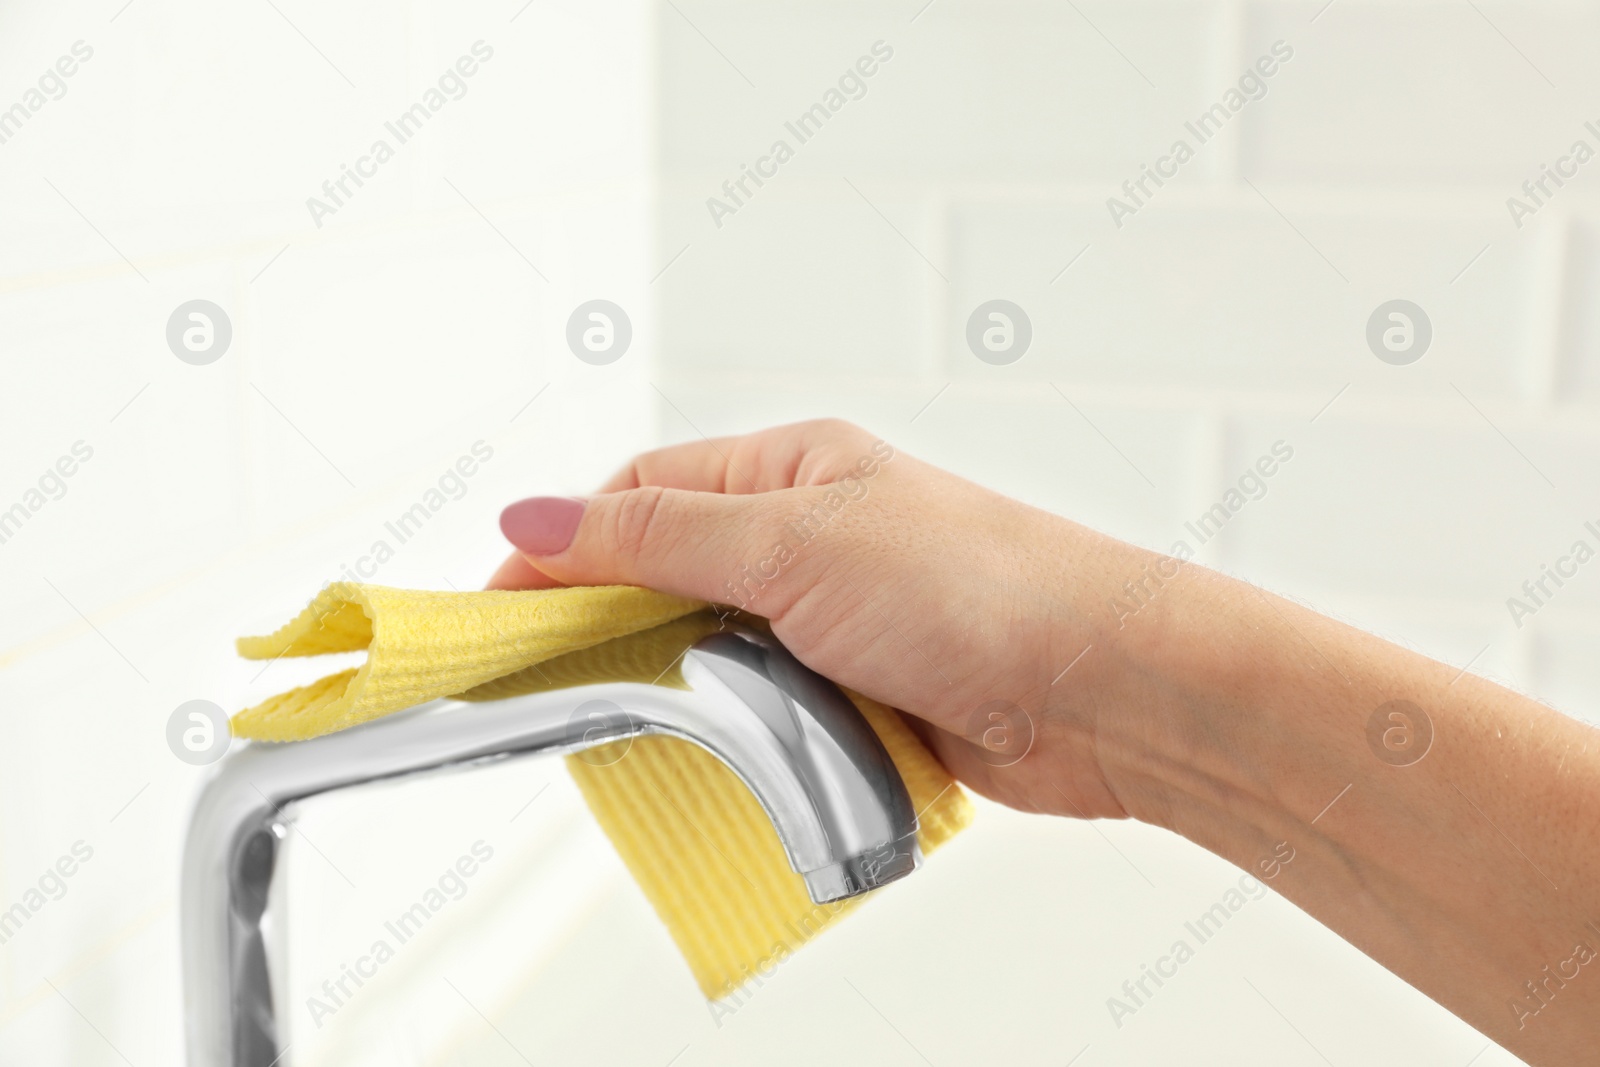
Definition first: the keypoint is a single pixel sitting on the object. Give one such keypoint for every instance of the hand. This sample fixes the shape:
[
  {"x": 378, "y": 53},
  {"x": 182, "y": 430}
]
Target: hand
[{"x": 915, "y": 587}]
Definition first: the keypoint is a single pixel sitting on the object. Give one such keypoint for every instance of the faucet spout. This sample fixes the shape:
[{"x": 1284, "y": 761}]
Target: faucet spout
[{"x": 834, "y": 796}]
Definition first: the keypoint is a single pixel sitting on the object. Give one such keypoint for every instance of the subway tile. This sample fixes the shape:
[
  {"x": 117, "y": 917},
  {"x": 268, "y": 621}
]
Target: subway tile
[
  {"x": 1222, "y": 294},
  {"x": 1396, "y": 95},
  {"x": 970, "y": 92},
  {"x": 831, "y": 282},
  {"x": 1435, "y": 505},
  {"x": 1121, "y": 470}
]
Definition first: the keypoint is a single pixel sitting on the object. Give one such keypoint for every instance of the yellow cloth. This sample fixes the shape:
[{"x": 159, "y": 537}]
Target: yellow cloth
[{"x": 691, "y": 833}]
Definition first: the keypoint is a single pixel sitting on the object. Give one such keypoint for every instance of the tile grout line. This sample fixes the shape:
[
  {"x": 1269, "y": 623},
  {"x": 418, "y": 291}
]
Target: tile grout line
[{"x": 1543, "y": 364}]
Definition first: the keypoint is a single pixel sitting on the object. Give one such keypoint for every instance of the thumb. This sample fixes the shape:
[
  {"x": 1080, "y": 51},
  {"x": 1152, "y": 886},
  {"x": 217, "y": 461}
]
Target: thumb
[{"x": 673, "y": 540}]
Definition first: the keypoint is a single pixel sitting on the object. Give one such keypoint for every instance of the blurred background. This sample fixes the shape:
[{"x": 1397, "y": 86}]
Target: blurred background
[{"x": 349, "y": 351}]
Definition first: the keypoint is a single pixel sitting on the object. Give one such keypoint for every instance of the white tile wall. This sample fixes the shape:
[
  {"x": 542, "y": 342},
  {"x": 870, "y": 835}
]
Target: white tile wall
[{"x": 1226, "y": 314}]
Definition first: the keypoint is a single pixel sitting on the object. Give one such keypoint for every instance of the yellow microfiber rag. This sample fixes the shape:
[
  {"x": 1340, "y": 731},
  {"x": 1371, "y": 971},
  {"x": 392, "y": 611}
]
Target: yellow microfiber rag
[{"x": 677, "y": 815}]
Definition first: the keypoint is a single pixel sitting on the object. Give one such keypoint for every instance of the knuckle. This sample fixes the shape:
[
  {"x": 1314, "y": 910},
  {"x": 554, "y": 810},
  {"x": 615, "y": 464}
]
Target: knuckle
[
  {"x": 634, "y": 523},
  {"x": 835, "y": 428}
]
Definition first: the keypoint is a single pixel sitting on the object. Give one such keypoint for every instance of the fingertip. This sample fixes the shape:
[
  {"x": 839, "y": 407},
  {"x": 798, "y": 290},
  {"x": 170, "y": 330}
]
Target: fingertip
[{"x": 542, "y": 525}]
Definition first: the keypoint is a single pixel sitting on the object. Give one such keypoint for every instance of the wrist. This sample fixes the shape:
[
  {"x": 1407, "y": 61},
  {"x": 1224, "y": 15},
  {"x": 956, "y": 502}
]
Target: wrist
[{"x": 1182, "y": 692}]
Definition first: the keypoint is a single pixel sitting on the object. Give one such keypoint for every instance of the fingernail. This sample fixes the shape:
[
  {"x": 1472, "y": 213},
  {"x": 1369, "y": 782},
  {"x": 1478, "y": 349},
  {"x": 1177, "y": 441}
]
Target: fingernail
[{"x": 542, "y": 525}]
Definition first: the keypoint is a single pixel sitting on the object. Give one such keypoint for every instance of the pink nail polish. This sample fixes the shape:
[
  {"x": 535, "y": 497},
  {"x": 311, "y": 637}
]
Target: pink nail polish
[{"x": 541, "y": 525}]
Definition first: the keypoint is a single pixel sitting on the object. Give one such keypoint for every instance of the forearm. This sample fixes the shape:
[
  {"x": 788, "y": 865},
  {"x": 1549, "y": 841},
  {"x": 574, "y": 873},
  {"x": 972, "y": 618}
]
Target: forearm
[{"x": 1468, "y": 872}]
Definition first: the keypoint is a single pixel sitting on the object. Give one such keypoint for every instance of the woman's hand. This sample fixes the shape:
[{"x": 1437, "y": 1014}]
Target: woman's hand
[{"x": 920, "y": 589}]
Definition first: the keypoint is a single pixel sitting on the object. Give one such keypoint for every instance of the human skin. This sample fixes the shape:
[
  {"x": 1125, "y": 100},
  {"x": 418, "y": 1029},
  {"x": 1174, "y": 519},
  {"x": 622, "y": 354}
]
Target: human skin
[{"x": 1216, "y": 710}]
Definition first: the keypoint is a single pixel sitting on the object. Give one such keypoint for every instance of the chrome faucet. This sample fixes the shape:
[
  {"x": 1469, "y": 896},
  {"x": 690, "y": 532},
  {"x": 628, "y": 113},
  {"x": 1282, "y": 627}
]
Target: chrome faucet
[{"x": 833, "y": 794}]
